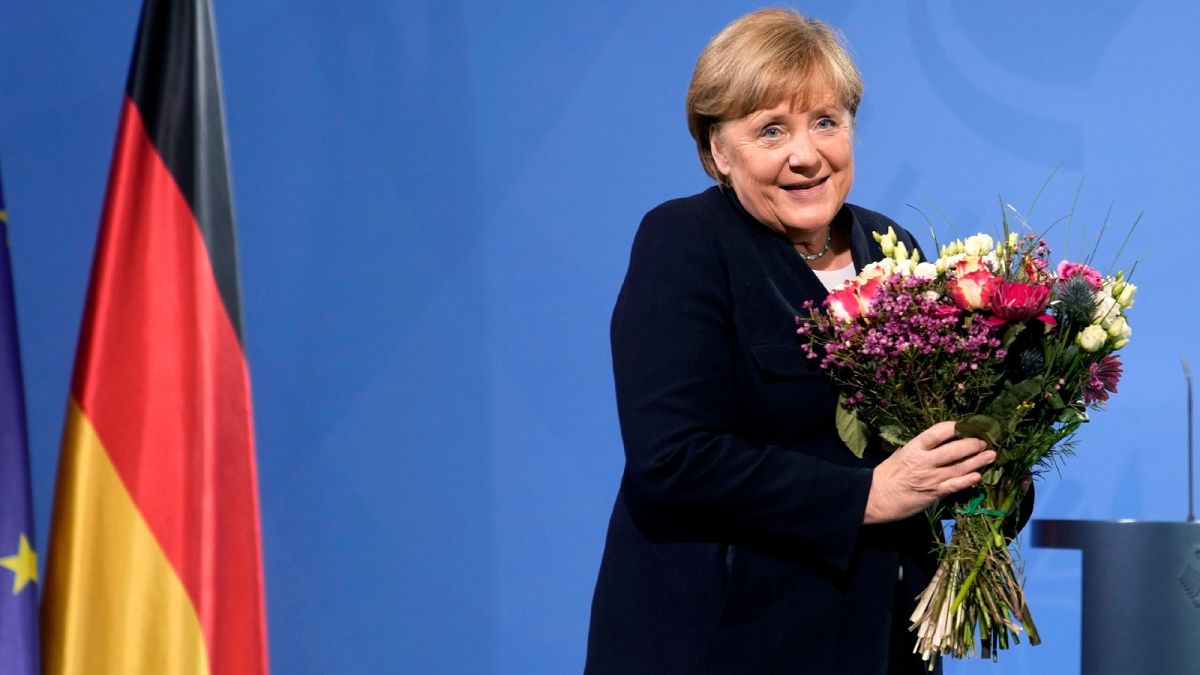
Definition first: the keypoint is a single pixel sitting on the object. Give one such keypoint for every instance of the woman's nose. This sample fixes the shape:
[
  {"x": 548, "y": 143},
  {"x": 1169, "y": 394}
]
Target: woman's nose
[{"x": 803, "y": 153}]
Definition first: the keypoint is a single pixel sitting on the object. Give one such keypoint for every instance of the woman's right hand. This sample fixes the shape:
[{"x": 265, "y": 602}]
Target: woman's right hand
[{"x": 930, "y": 466}]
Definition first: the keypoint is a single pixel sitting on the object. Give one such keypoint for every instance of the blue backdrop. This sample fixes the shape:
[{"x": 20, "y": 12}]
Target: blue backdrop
[{"x": 435, "y": 202}]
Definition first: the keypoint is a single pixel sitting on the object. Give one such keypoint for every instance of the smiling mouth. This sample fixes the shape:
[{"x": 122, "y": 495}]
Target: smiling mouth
[{"x": 806, "y": 185}]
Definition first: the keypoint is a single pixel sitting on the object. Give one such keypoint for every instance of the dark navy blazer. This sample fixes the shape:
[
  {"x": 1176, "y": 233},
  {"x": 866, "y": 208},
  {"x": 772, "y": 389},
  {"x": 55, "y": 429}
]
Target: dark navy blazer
[{"x": 736, "y": 543}]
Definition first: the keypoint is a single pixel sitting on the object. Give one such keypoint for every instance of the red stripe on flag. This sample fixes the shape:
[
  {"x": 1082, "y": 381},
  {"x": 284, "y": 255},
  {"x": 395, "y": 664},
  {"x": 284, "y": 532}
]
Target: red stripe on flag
[{"x": 162, "y": 377}]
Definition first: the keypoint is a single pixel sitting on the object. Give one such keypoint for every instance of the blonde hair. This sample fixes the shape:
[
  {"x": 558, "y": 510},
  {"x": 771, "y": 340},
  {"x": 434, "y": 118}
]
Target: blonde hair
[{"x": 759, "y": 60}]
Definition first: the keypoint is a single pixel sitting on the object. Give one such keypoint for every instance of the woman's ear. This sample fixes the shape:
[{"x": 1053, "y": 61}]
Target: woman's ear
[{"x": 716, "y": 145}]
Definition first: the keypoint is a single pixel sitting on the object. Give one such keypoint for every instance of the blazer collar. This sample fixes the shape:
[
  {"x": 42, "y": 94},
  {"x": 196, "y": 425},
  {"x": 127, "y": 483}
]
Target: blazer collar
[{"x": 863, "y": 247}]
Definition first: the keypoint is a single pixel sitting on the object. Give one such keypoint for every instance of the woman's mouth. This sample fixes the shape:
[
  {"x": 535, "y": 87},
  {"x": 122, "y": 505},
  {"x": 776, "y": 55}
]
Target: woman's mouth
[{"x": 805, "y": 187}]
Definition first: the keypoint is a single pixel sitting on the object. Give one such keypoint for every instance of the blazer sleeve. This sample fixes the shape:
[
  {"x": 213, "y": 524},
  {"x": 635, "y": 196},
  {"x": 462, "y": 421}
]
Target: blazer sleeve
[{"x": 675, "y": 363}]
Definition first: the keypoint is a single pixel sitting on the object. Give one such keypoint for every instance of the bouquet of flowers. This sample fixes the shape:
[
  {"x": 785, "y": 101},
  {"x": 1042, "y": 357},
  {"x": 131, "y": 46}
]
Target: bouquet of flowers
[{"x": 1017, "y": 351}]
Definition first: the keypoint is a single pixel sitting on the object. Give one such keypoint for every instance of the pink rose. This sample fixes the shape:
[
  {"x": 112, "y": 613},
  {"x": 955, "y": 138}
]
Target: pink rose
[
  {"x": 1066, "y": 270},
  {"x": 853, "y": 299},
  {"x": 844, "y": 303},
  {"x": 1017, "y": 301},
  {"x": 973, "y": 290},
  {"x": 873, "y": 271},
  {"x": 969, "y": 264},
  {"x": 868, "y": 290}
]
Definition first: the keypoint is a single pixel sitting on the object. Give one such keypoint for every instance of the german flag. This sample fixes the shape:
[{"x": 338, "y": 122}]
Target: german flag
[{"x": 155, "y": 553}]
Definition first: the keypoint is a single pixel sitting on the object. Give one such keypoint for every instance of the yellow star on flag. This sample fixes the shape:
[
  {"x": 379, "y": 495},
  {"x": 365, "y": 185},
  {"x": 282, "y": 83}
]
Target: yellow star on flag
[{"x": 23, "y": 565}]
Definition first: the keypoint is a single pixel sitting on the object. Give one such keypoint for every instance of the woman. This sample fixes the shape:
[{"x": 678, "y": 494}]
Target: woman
[{"x": 745, "y": 536}]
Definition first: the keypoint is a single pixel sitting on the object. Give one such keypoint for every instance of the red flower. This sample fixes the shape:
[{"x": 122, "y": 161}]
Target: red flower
[
  {"x": 1103, "y": 378},
  {"x": 973, "y": 290},
  {"x": 1018, "y": 301}
]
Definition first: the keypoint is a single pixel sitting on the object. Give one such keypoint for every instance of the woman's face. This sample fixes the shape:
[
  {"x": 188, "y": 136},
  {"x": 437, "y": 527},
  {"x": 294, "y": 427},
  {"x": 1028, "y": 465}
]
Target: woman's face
[{"x": 791, "y": 166}]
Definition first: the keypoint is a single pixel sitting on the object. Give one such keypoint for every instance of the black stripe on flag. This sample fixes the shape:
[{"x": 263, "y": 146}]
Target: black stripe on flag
[{"x": 175, "y": 84}]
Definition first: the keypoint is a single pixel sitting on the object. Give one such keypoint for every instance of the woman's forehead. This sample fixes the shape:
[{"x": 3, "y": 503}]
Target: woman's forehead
[
  {"x": 797, "y": 91},
  {"x": 815, "y": 96}
]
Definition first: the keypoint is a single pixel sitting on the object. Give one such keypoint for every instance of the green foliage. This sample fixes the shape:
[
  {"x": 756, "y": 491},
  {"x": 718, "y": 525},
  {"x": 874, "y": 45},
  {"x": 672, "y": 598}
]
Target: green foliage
[
  {"x": 984, "y": 427},
  {"x": 893, "y": 435},
  {"x": 851, "y": 430}
]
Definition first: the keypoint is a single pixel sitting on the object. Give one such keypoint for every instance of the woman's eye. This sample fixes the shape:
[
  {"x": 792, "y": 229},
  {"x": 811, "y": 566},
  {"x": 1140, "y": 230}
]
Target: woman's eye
[
  {"x": 772, "y": 133},
  {"x": 826, "y": 123}
]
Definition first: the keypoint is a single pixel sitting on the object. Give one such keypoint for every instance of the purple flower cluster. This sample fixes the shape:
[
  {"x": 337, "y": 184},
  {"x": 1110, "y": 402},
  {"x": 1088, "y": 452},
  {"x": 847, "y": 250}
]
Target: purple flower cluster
[{"x": 911, "y": 333}]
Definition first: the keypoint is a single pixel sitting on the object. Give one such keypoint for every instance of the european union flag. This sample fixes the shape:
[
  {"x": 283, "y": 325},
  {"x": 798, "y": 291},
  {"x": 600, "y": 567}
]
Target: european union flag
[{"x": 18, "y": 561}]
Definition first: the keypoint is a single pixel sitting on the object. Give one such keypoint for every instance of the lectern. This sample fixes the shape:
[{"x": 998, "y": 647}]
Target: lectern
[{"x": 1141, "y": 593}]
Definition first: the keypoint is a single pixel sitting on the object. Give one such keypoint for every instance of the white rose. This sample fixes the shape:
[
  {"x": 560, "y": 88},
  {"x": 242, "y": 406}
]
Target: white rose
[
  {"x": 1119, "y": 329},
  {"x": 1106, "y": 310},
  {"x": 948, "y": 262},
  {"x": 1091, "y": 338},
  {"x": 926, "y": 271},
  {"x": 978, "y": 244},
  {"x": 870, "y": 271}
]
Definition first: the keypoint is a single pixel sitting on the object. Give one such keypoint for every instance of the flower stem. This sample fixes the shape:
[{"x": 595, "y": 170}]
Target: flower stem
[
  {"x": 1027, "y": 621},
  {"x": 990, "y": 541}
]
